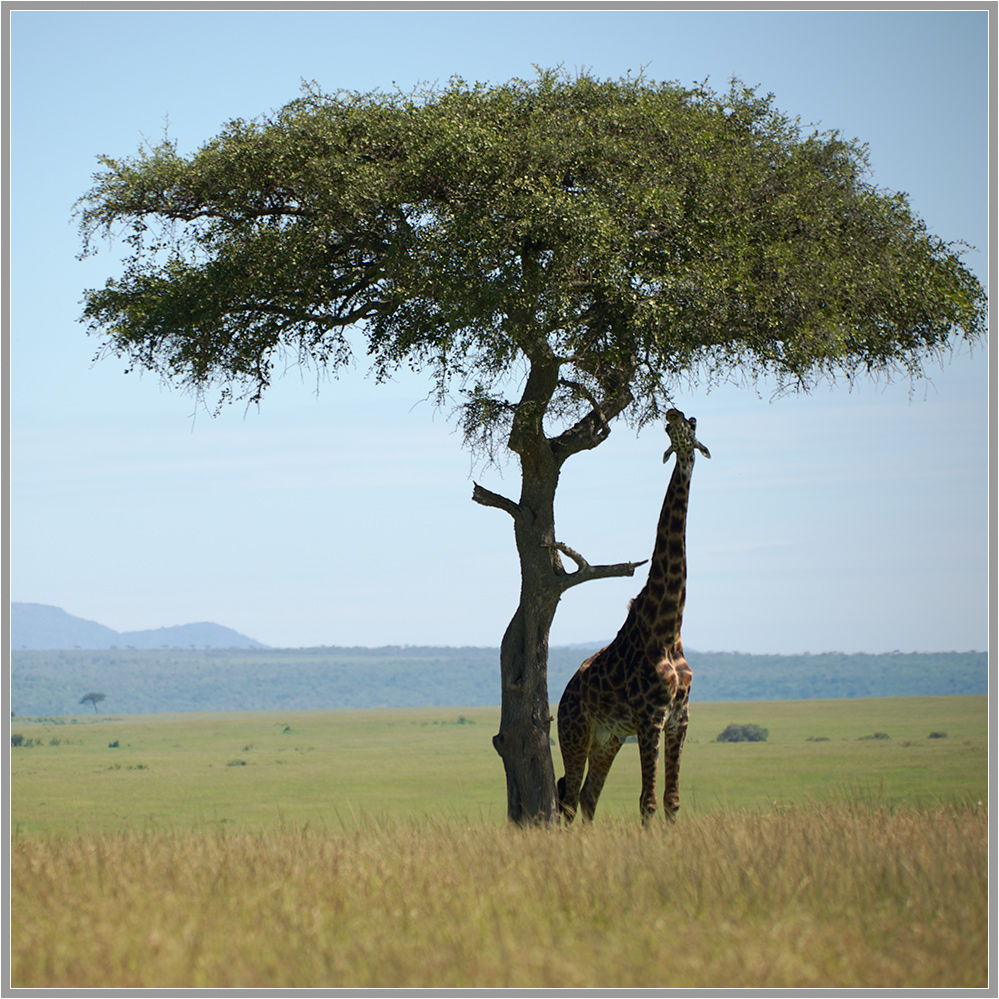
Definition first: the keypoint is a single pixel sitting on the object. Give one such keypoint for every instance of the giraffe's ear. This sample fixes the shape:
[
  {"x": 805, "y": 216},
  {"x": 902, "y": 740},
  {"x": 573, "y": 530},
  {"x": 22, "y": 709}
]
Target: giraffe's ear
[
  {"x": 666, "y": 454},
  {"x": 700, "y": 447}
]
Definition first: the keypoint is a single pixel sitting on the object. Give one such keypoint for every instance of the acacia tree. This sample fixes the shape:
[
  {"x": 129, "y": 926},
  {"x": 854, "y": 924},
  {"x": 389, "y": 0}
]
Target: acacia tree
[
  {"x": 555, "y": 254},
  {"x": 93, "y": 698}
]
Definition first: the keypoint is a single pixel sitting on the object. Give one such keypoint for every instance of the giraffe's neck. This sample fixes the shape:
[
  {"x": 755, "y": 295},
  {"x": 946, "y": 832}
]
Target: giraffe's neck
[{"x": 656, "y": 613}]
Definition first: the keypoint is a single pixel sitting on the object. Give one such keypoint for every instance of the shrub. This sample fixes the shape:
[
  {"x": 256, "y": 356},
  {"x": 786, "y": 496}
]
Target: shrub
[
  {"x": 877, "y": 735},
  {"x": 743, "y": 733},
  {"x": 937, "y": 735},
  {"x": 113, "y": 745},
  {"x": 16, "y": 740}
]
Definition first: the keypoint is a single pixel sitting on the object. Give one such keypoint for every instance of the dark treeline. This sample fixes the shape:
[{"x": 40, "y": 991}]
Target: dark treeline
[{"x": 174, "y": 680}]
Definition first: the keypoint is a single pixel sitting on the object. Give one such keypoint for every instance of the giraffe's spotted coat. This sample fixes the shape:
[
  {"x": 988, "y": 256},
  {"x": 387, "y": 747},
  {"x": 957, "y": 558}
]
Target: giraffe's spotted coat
[{"x": 640, "y": 683}]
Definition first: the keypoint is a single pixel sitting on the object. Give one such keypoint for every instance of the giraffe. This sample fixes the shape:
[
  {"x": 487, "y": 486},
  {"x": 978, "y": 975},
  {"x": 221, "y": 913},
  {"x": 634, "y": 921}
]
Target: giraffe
[{"x": 640, "y": 683}]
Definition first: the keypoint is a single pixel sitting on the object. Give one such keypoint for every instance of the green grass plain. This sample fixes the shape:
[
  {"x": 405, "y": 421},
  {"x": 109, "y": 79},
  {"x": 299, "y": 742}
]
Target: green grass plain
[
  {"x": 370, "y": 849},
  {"x": 334, "y": 769}
]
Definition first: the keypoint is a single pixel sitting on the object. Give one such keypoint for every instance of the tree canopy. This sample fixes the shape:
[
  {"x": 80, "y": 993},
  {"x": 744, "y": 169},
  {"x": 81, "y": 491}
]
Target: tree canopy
[{"x": 626, "y": 233}]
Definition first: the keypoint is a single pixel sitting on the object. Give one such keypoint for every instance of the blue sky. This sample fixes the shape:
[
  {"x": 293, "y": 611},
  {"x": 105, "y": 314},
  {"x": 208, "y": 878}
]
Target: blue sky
[{"x": 339, "y": 512}]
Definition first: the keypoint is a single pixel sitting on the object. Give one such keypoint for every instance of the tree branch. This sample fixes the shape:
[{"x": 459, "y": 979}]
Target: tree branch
[
  {"x": 488, "y": 498},
  {"x": 586, "y": 572},
  {"x": 594, "y": 428}
]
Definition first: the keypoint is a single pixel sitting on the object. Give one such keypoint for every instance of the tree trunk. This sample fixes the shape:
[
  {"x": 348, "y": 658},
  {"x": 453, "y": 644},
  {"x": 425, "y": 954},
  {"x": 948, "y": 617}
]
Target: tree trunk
[{"x": 524, "y": 738}]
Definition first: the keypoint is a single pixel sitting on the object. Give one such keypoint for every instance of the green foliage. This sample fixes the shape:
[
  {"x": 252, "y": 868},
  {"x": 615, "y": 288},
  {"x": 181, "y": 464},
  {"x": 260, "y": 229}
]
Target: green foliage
[
  {"x": 22, "y": 743},
  {"x": 623, "y": 234},
  {"x": 742, "y": 733}
]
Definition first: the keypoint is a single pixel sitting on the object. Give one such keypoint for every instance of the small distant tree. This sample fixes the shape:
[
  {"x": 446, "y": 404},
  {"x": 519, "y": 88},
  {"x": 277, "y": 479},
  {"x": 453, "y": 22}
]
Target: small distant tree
[
  {"x": 555, "y": 254},
  {"x": 93, "y": 698}
]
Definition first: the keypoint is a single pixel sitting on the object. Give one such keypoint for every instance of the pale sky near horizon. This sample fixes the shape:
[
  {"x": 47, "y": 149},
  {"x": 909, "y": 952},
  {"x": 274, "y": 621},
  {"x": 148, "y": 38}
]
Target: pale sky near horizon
[{"x": 840, "y": 521}]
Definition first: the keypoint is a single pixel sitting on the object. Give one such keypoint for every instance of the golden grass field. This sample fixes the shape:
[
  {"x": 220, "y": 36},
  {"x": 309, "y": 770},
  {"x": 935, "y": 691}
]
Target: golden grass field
[{"x": 370, "y": 849}]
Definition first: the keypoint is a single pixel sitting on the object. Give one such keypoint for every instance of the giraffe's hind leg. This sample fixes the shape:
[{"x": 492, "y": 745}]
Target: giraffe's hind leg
[
  {"x": 574, "y": 742},
  {"x": 601, "y": 757}
]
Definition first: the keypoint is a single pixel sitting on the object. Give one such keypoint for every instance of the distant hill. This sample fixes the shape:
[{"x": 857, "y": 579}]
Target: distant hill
[
  {"x": 137, "y": 681},
  {"x": 42, "y": 627}
]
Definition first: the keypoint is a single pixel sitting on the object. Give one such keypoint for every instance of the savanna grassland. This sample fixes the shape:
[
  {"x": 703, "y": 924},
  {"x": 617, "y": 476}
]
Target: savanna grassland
[{"x": 370, "y": 849}]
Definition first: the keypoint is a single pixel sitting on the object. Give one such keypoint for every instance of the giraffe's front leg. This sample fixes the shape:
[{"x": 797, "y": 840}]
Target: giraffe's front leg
[
  {"x": 675, "y": 732},
  {"x": 648, "y": 751}
]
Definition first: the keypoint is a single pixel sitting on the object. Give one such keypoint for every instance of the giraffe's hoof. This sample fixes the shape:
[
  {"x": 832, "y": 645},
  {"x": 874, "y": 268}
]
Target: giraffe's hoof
[{"x": 567, "y": 813}]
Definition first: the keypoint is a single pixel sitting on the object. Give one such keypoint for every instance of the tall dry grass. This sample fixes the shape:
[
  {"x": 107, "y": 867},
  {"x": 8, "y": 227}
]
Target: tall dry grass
[{"x": 848, "y": 895}]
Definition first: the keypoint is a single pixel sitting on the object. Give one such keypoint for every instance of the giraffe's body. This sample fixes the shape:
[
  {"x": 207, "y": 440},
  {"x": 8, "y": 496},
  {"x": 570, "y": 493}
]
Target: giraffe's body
[{"x": 640, "y": 683}]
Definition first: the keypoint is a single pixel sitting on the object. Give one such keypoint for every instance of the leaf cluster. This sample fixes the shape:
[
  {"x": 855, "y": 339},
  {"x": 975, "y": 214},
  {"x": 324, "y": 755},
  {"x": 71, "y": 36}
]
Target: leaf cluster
[{"x": 618, "y": 236}]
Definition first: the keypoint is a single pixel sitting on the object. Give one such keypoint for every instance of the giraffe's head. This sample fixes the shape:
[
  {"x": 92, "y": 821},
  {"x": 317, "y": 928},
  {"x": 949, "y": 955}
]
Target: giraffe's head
[{"x": 683, "y": 443}]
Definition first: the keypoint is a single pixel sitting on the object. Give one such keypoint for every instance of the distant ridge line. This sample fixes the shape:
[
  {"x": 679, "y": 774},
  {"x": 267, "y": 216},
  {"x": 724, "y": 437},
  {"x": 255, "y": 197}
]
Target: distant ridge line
[{"x": 42, "y": 627}]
